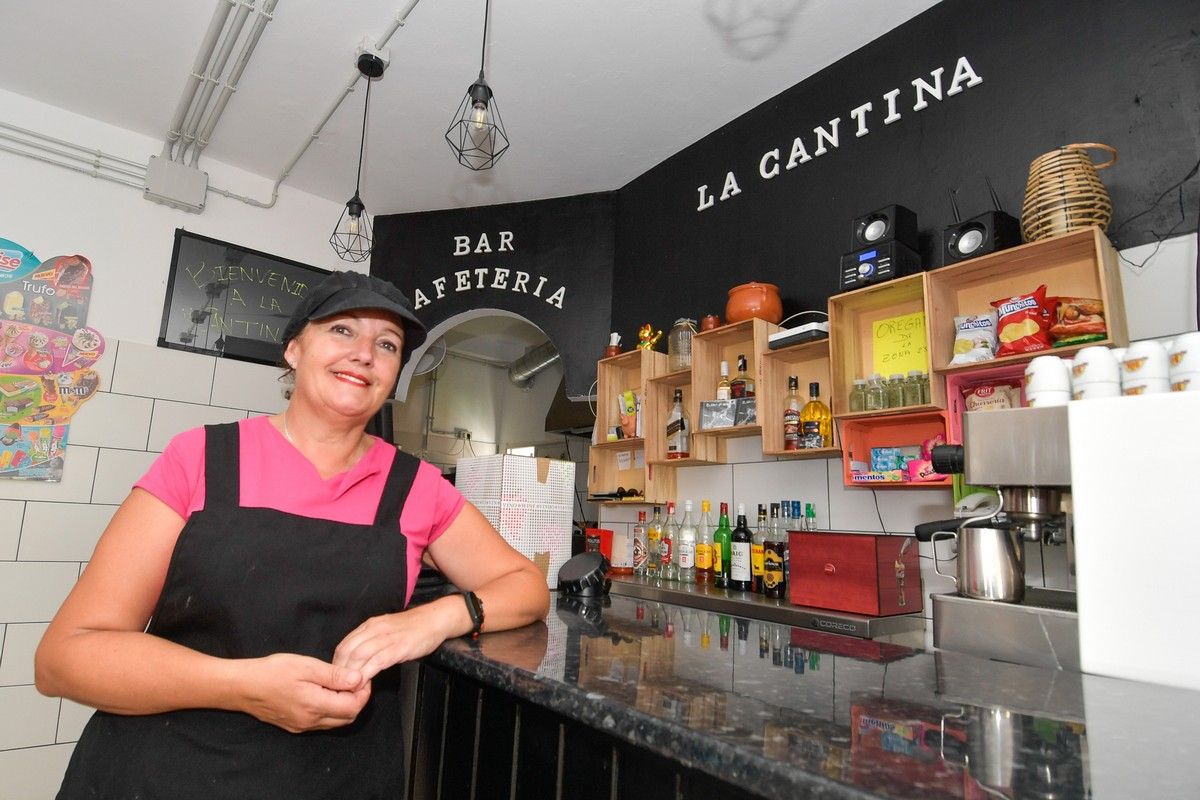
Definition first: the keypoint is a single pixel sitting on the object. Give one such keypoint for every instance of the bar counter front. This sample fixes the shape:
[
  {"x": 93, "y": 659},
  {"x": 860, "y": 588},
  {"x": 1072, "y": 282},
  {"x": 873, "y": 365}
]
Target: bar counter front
[{"x": 623, "y": 698}]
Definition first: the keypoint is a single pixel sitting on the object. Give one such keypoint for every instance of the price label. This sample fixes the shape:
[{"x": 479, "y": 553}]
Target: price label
[{"x": 899, "y": 344}]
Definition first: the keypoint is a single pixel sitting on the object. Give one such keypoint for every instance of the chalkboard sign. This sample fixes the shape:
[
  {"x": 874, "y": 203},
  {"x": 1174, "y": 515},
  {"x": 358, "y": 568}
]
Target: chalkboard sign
[{"x": 230, "y": 301}]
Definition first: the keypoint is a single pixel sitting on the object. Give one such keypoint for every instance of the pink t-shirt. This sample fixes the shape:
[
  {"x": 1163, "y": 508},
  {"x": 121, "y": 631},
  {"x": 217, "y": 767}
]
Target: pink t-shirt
[{"x": 274, "y": 474}]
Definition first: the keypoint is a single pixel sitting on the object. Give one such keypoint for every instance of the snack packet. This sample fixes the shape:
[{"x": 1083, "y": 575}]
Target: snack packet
[
  {"x": 974, "y": 338},
  {"x": 991, "y": 397},
  {"x": 1024, "y": 323},
  {"x": 1076, "y": 316}
]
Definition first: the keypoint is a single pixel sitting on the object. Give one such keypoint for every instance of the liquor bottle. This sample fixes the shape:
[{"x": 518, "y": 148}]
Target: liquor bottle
[
  {"x": 810, "y": 517},
  {"x": 742, "y": 384},
  {"x": 815, "y": 421},
  {"x": 640, "y": 546},
  {"x": 797, "y": 524},
  {"x": 791, "y": 415},
  {"x": 704, "y": 544},
  {"x": 774, "y": 550},
  {"x": 654, "y": 543},
  {"x": 686, "y": 547},
  {"x": 756, "y": 550},
  {"x": 722, "y": 545},
  {"x": 740, "y": 573},
  {"x": 724, "y": 392},
  {"x": 679, "y": 429},
  {"x": 723, "y": 630},
  {"x": 622, "y": 552},
  {"x": 666, "y": 545}
]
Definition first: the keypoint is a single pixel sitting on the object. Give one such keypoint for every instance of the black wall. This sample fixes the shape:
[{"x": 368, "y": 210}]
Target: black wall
[
  {"x": 568, "y": 241},
  {"x": 1125, "y": 74}
]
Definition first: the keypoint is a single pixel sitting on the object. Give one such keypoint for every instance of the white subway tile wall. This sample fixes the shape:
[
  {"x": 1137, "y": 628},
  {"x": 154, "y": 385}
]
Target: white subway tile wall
[
  {"x": 11, "y": 513},
  {"x": 172, "y": 418},
  {"x": 48, "y": 531}
]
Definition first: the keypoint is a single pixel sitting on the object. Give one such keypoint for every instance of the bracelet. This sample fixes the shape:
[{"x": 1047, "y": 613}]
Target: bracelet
[{"x": 475, "y": 609}]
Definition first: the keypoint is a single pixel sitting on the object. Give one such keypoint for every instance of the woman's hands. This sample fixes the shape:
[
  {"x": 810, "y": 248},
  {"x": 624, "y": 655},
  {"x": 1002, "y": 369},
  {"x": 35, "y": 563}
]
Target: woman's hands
[
  {"x": 299, "y": 693},
  {"x": 390, "y": 639}
]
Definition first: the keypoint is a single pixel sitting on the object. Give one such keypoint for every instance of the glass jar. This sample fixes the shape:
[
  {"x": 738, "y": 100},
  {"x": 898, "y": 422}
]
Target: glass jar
[
  {"x": 925, "y": 388},
  {"x": 895, "y": 391},
  {"x": 679, "y": 344},
  {"x": 913, "y": 396},
  {"x": 875, "y": 393},
  {"x": 858, "y": 395}
]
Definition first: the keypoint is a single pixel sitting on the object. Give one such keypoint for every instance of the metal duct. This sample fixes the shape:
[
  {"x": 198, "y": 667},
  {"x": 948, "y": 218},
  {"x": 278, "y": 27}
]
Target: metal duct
[
  {"x": 212, "y": 77},
  {"x": 536, "y": 359},
  {"x": 231, "y": 83}
]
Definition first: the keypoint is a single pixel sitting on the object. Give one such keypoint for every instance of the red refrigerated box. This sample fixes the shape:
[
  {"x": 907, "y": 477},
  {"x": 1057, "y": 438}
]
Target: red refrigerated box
[{"x": 860, "y": 573}]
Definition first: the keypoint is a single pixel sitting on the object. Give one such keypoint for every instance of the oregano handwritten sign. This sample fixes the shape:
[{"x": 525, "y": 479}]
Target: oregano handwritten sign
[{"x": 899, "y": 345}]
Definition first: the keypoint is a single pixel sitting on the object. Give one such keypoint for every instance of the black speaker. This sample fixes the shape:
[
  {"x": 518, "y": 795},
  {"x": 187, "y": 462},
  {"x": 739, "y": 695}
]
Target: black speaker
[
  {"x": 888, "y": 224},
  {"x": 977, "y": 236},
  {"x": 877, "y": 263}
]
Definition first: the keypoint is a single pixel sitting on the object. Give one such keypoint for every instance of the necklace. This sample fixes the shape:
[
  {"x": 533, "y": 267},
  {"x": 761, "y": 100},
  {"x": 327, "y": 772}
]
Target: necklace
[{"x": 358, "y": 453}]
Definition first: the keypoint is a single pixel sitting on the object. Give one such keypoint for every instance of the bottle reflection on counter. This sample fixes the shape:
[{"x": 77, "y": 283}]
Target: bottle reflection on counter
[{"x": 723, "y": 627}]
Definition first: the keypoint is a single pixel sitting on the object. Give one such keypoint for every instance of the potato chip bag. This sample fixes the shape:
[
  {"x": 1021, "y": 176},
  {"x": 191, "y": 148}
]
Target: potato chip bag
[
  {"x": 1024, "y": 323},
  {"x": 974, "y": 338}
]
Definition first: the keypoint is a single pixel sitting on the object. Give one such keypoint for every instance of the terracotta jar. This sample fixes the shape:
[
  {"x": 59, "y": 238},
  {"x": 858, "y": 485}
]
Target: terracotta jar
[
  {"x": 754, "y": 300},
  {"x": 709, "y": 322}
]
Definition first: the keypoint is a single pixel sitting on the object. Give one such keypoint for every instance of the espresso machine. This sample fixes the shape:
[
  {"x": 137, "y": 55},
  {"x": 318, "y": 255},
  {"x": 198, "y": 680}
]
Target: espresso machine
[{"x": 1024, "y": 454}]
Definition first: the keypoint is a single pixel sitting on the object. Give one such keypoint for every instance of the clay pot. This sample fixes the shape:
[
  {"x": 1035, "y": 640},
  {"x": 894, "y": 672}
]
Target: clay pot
[
  {"x": 709, "y": 322},
  {"x": 612, "y": 350},
  {"x": 754, "y": 300}
]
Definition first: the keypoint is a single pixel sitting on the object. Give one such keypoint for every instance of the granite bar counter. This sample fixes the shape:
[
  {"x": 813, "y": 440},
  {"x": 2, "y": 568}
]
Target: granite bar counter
[{"x": 632, "y": 699}]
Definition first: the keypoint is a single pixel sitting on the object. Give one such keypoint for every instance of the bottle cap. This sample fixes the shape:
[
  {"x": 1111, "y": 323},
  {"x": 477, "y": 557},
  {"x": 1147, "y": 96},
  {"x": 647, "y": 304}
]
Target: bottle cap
[
  {"x": 814, "y": 388},
  {"x": 914, "y": 373},
  {"x": 724, "y": 367},
  {"x": 705, "y": 506},
  {"x": 687, "y": 506},
  {"x": 896, "y": 376},
  {"x": 741, "y": 509},
  {"x": 860, "y": 381}
]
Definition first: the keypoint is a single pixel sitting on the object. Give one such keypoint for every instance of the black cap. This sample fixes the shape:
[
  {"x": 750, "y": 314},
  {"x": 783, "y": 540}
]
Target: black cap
[{"x": 353, "y": 291}]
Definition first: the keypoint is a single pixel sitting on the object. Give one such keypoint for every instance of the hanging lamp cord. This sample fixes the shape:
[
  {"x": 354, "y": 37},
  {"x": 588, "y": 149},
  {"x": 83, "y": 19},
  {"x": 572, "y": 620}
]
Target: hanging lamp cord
[
  {"x": 483, "y": 48},
  {"x": 363, "y": 139}
]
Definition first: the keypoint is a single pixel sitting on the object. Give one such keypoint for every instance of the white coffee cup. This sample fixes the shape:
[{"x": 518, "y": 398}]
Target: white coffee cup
[
  {"x": 1095, "y": 364},
  {"x": 1139, "y": 386},
  {"x": 1047, "y": 397},
  {"x": 1185, "y": 382},
  {"x": 1143, "y": 360},
  {"x": 1184, "y": 353},
  {"x": 1047, "y": 374},
  {"x": 1096, "y": 390}
]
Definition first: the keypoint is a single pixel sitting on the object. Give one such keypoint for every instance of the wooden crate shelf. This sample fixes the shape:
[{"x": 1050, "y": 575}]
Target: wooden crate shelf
[
  {"x": 852, "y": 319},
  {"x": 1079, "y": 264},
  {"x": 901, "y": 430},
  {"x": 809, "y": 362}
]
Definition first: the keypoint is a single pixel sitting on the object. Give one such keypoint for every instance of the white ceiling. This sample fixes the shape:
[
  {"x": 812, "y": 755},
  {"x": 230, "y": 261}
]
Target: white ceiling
[{"x": 593, "y": 92}]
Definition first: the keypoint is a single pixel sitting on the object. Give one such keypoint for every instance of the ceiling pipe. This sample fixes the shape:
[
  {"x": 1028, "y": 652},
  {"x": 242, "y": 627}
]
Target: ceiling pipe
[
  {"x": 396, "y": 24},
  {"x": 535, "y": 359},
  {"x": 207, "y": 45},
  {"x": 61, "y": 153},
  {"x": 235, "y": 76},
  {"x": 211, "y": 78}
]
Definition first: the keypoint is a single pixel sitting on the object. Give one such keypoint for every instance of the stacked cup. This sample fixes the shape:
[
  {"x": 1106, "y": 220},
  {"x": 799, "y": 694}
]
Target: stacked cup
[
  {"x": 1184, "y": 366},
  {"x": 1144, "y": 369},
  {"x": 1047, "y": 381},
  {"x": 1095, "y": 373}
]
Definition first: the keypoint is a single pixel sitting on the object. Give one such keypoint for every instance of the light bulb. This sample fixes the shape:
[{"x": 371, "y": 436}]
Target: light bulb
[
  {"x": 479, "y": 115},
  {"x": 353, "y": 225}
]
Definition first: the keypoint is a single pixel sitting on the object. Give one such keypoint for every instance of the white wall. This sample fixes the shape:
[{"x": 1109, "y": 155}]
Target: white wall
[{"x": 47, "y": 531}]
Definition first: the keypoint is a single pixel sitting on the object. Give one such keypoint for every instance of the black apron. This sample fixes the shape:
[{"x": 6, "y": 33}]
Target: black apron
[{"x": 245, "y": 583}]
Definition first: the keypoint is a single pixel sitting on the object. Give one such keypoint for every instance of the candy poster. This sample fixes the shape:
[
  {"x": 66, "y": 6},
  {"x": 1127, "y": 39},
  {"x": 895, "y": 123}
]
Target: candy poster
[{"x": 46, "y": 358}]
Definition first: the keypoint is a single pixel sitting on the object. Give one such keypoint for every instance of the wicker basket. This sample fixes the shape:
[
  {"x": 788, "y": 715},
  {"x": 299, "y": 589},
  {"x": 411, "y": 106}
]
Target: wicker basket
[{"x": 1064, "y": 193}]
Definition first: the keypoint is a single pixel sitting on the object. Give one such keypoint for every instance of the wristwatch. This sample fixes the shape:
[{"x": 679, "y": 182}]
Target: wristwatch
[{"x": 475, "y": 609}]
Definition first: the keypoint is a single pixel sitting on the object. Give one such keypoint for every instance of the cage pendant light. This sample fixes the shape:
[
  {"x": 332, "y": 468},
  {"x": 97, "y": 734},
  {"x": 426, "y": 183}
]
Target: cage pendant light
[
  {"x": 351, "y": 239},
  {"x": 476, "y": 135}
]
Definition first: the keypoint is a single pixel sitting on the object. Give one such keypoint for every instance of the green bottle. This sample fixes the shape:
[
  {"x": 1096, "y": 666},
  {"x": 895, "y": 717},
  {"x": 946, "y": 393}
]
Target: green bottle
[{"x": 722, "y": 546}]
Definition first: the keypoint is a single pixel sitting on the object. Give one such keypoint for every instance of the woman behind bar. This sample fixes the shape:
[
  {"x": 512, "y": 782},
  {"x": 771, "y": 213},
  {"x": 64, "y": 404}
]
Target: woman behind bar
[{"x": 237, "y": 622}]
